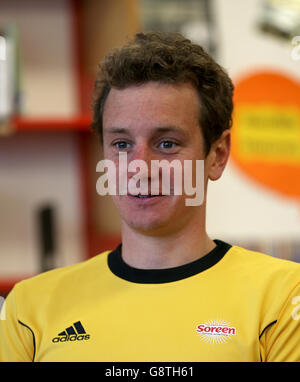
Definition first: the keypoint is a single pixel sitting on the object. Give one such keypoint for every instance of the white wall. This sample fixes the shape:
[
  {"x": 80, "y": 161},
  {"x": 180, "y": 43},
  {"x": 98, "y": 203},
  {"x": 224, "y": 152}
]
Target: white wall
[
  {"x": 238, "y": 207},
  {"x": 40, "y": 167},
  {"x": 35, "y": 169},
  {"x": 46, "y": 55}
]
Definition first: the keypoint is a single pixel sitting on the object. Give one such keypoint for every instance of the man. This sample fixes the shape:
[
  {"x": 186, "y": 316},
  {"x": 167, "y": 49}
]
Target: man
[{"x": 168, "y": 292}]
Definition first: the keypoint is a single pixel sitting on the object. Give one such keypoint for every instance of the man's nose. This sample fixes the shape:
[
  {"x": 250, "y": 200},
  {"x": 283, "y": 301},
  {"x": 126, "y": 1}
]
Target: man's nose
[
  {"x": 144, "y": 153},
  {"x": 139, "y": 165}
]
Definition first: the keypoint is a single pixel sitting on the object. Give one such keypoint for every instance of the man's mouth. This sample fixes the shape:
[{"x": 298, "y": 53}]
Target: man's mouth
[
  {"x": 146, "y": 196},
  {"x": 145, "y": 199}
]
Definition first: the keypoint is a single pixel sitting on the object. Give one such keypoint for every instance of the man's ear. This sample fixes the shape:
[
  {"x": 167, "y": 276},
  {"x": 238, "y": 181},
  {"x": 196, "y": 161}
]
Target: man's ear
[{"x": 218, "y": 156}]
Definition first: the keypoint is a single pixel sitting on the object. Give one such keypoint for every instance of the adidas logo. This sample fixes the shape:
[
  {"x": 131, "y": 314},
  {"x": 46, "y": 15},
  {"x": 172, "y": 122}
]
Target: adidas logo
[{"x": 75, "y": 332}]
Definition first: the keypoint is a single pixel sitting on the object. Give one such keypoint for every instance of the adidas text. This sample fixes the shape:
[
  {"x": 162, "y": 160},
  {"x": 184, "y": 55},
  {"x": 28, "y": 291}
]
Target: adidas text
[
  {"x": 74, "y": 337},
  {"x": 75, "y": 332}
]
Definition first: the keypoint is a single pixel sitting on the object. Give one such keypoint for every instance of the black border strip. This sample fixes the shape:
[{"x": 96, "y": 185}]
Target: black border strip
[
  {"x": 158, "y": 276},
  {"x": 271, "y": 323},
  {"x": 33, "y": 337}
]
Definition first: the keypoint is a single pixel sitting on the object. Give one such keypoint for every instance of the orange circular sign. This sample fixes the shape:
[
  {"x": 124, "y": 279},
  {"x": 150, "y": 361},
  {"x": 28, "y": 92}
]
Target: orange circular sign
[{"x": 266, "y": 131}]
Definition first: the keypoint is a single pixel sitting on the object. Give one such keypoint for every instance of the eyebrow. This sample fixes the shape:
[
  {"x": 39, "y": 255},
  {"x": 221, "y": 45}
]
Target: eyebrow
[
  {"x": 160, "y": 129},
  {"x": 116, "y": 130},
  {"x": 166, "y": 129}
]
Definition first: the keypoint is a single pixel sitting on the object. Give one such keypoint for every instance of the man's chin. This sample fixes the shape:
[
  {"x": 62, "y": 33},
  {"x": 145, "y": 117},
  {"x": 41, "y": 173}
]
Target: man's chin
[{"x": 148, "y": 227}]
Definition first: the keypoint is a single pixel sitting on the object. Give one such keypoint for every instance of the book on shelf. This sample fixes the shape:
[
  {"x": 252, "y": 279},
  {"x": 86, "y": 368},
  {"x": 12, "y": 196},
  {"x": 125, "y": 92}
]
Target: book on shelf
[{"x": 9, "y": 74}]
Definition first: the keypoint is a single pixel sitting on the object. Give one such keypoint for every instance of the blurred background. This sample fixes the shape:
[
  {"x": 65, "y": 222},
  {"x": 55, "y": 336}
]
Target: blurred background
[{"x": 50, "y": 213}]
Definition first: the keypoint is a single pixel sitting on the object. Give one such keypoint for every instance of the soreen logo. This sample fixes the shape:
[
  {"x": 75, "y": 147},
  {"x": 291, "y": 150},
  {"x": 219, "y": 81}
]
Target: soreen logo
[{"x": 215, "y": 331}]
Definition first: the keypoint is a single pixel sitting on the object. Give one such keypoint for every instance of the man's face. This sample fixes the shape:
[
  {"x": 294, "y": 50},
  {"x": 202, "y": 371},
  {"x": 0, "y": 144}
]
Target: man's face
[{"x": 150, "y": 122}]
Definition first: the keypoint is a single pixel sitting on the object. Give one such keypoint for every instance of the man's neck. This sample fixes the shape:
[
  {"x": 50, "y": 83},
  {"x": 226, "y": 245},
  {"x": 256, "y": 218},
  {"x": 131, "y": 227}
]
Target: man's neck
[{"x": 158, "y": 252}]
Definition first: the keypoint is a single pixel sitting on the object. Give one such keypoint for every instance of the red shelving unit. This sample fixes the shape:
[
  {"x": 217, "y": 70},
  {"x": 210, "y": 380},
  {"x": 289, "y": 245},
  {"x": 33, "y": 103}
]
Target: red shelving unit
[
  {"x": 84, "y": 31},
  {"x": 78, "y": 123}
]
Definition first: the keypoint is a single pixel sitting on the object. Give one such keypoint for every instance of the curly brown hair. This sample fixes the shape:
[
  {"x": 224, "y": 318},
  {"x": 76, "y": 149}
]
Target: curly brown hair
[{"x": 173, "y": 59}]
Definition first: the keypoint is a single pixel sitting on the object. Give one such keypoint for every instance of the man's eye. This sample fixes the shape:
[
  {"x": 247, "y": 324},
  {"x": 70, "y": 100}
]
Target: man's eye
[
  {"x": 121, "y": 145},
  {"x": 167, "y": 145}
]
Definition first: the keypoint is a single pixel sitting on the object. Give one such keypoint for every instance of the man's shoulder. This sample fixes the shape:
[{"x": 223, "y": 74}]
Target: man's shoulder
[
  {"x": 252, "y": 256},
  {"x": 264, "y": 266},
  {"x": 51, "y": 280}
]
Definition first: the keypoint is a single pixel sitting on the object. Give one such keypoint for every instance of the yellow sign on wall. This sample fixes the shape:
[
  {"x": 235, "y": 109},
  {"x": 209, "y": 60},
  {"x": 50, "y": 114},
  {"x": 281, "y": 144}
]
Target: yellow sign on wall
[{"x": 266, "y": 131}]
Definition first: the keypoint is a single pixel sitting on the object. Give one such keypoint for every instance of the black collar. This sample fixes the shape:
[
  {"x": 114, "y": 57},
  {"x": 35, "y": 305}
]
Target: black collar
[{"x": 156, "y": 276}]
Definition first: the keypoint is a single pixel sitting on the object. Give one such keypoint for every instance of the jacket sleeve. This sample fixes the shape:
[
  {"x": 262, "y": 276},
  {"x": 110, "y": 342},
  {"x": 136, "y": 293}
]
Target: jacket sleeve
[
  {"x": 281, "y": 341},
  {"x": 17, "y": 342}
]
